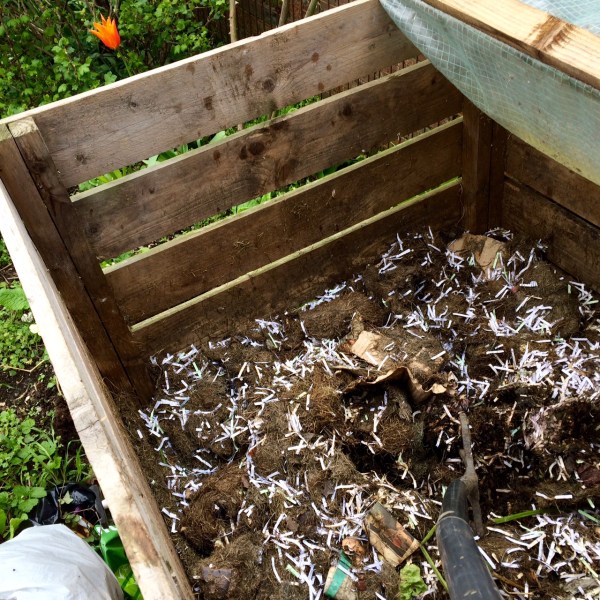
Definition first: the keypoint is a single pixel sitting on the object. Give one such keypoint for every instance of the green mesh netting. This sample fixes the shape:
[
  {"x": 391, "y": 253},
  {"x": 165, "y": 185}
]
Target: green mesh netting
[{"x": 553, "y": 112}]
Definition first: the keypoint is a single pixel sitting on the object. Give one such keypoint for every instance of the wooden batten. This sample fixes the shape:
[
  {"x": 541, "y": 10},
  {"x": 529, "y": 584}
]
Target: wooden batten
[
  {"x": 131, "y": 212},
  {"x": 477, "y": 156},
  {"x": 295, "y": 278},
  {"x": 68, "y": 226},
  {"x": 571, "y": 49},
  {"x": 98, "y": 131},
  {"x": 154, "y": 561},
  {"x": 498, "y": 153},
  {"x": 176, "y": 272}
]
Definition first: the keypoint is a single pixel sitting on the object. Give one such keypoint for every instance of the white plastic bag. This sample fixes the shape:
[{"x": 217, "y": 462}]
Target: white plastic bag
[{"x": 50, "y": 562}]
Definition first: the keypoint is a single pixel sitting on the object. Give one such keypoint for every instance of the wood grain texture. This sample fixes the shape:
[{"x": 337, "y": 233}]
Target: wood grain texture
[
  {"x": 64, "y": 218},
  {"x": 550, "y": 178},
  {"x": 571, "y": 49},
  {"x": 289, "y": 282},
  {"x": 34, "y": 213},
  {"x": 573, "y": 244},
  {"x": 177, "y": 271},
  {"x": 150, "y": 551},
  {"x": 477, "y": 149},
  {"x": 131, "y": 211},
  {"x": 120, "y": 124}
]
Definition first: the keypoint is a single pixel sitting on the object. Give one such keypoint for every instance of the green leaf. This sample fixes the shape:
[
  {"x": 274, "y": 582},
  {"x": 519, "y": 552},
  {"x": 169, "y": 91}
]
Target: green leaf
[
  {"x": 26, "y": 506},
  {"x": 219, "y": 136},
  {"x": 411, "y": 583},
  {"x": 38, "y": 492},
  {"x": 66, "y": 499},
  {"x": 14, "y": 298},
  {"x": 2, "y": 522},
  {"x": 15, "y": 524}
]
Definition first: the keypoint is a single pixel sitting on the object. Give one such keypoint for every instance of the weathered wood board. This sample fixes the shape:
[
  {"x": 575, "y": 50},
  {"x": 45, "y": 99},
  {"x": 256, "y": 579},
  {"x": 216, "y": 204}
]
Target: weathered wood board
[
  {"x": 548, "y": 177},
  {"x": 189, "y": 266},
  {"x": 128, "y": 121},
  {"x": 290, "y": 281},
  {"x": 573, "y": 244},
  {"x": 571, "y": 49},
  {"x": 150, "y": 551},
  {"x": 131, "y": 212},
  {"x": 59, "y": 263},
  {"x": 62, "y": 213}
]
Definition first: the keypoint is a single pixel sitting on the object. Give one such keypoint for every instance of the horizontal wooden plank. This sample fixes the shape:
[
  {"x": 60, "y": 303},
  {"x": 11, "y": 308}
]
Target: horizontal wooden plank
[
  {"x": 533, "y": 168},
  {"x": 573, "y": 244},
  {"x": 150, "y": 551},
  {"x": 571, "y": 49},
  {"x": 128, "y": 121},
  {"x": 131, "y": 211},
  {"x": 177, "y": 271},
  {"x": 289, "y": 282}
]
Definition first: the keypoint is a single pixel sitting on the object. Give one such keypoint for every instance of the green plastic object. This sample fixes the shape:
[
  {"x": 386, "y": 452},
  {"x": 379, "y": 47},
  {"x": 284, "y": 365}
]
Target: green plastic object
[
  {"x": 127, "y": 581},
  {"x": 113, "y": 553},
  {"x": 339, "y": 586}
]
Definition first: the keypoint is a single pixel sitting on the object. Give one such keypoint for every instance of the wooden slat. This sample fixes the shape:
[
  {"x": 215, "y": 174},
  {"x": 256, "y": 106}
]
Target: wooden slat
[
  {"x": 131, "y": 212},
  {"x": 550, "y": 178},
  {"x": 573, "y": 244},
  {"x": 128, "y": 121},
  {"x": 287, "y": 283},
  {"x": 155, "y": 563},
  {"x": 477, "y": 149},
  {"x": 33, "y": 212},
  {"x": 569, "y": 48},
  {"x": 175, "y": 272}
]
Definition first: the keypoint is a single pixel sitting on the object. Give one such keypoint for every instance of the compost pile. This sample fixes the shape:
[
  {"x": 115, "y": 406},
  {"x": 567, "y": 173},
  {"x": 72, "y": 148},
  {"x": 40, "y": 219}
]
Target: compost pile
[{"x": 271, "y": 447}]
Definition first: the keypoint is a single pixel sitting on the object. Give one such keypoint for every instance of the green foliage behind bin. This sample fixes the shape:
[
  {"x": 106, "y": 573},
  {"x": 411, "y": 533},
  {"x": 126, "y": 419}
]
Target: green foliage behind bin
[{"x": 47, "y": 52}]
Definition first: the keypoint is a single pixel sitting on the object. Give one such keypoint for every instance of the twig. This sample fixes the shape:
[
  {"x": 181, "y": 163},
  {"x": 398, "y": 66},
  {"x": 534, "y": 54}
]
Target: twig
[
  {"x": 470, "y": 477},
  {"x": 233, "y": 34},
  {"x": 503, "y": 579},
  {"x": 9, "y": 368},
  {"x": 311, "y": 8},
  {"x": 284, "y": 12}
]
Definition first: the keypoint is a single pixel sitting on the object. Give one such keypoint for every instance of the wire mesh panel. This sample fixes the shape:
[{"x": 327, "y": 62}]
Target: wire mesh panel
[{"x": 554, "y": 112}]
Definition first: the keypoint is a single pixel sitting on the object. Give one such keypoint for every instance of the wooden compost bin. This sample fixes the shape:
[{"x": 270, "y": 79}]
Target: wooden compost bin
[{"x": 102, "y": 326}]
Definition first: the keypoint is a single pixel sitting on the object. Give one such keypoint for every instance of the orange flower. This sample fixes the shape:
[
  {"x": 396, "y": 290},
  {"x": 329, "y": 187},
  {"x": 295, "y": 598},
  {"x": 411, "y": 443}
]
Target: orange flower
[{"x": 107, "y": 32}]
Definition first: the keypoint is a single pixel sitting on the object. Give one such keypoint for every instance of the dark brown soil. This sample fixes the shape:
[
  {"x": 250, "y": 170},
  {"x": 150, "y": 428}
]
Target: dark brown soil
[{"x": 279, "y": 439}]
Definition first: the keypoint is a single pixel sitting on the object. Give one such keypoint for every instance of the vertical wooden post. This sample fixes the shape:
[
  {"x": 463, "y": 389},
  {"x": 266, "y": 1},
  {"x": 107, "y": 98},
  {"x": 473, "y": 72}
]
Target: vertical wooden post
[
  {"x": 497, "y": 171},
  {"x": 477, "y": 142},
  {"x": 31, "y": 179}
]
